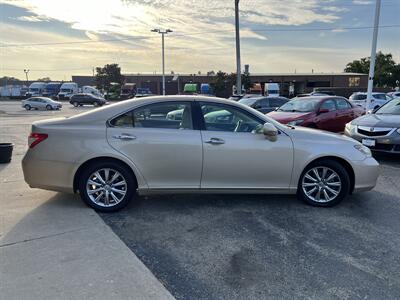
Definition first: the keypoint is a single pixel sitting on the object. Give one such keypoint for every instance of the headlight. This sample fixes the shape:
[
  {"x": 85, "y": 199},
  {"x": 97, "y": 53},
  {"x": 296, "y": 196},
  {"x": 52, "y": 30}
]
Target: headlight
[
  {"x": 398, "y": 130},
  {"x": 363, "y": 149},
  {"x": 349, "y": 127},
  {"x": 295, "y": 122}
]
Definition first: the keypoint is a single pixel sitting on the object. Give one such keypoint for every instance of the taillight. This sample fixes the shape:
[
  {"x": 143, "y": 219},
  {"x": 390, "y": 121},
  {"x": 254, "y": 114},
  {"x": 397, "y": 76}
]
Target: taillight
[{"x": 36, "y": 138}]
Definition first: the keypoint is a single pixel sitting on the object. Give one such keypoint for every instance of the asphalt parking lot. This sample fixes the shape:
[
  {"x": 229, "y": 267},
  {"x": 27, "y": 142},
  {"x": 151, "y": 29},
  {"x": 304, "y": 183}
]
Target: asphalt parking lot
[{"x": 253, "y": 246}]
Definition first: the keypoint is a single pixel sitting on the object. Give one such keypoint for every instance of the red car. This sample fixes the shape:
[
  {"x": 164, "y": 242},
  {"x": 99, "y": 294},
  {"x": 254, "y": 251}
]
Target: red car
[{"x": 329, "y": 113}]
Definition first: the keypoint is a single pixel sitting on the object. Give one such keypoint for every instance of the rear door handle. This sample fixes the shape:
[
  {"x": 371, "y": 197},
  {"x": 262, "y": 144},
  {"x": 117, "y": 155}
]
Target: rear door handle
[
  {"x": 124, "y": 137},
  {"x": 215, "y": 141}
]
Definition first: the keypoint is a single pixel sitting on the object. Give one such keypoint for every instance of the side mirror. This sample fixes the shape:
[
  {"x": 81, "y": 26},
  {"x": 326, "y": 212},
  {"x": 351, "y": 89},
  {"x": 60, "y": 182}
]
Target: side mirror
[
  {"x": 270, "y": 131},
  {"x": 323, "y": 110}
]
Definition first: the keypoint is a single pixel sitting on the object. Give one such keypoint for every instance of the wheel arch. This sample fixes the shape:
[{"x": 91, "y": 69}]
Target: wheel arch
[
  {"x": 101, "y": 159},
  {"x": 341, "y": 161}
]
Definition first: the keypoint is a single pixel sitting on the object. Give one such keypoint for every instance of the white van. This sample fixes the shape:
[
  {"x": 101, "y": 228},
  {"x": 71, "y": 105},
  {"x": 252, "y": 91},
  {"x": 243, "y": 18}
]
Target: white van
[
  {"x": 36, "y": 89},
  {"x": 271, "y": 89},
  {"x": 91, "y": 90},
  {"x": 67, "y": 90}
]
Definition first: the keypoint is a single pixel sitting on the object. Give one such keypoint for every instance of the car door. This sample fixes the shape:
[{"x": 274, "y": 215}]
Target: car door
[
  {"x": 327, "y": 120},
  {"x": 236, "y": 157},
  {"x": 167, "y": 152},
  {"x": 345, "y": 113}
]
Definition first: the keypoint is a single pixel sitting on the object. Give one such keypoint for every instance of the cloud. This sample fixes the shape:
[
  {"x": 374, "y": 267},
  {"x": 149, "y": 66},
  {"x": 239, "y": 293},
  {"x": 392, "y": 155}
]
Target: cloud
[{"x": 33, "y": 19}]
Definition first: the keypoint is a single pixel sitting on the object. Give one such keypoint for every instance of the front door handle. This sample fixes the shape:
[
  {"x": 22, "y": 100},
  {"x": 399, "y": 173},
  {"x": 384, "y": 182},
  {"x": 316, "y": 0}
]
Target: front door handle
[
  {"x": 215, "y": 141},
  {"x": 124, "y": 137}
]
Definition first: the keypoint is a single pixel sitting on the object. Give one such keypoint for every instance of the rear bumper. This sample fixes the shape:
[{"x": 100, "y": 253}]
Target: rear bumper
[
  {"x": 49, "y": 175},
  {"x": 366, "y": 174}
]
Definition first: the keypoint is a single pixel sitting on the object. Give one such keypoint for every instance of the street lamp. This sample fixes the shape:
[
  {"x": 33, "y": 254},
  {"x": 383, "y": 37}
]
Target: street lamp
[
  {"x": 238, "y": 67},
  {"x": 26, "y": 71},
  {"x": 373, "y": 55},
  {"x": 162, "y": 32}
]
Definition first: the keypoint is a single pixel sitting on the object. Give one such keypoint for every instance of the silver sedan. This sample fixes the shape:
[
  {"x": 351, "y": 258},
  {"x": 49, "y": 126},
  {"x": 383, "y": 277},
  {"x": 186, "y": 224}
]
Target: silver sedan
[
  {"x": 40, "y": 103},
  {"x": 109, "y": 154}
]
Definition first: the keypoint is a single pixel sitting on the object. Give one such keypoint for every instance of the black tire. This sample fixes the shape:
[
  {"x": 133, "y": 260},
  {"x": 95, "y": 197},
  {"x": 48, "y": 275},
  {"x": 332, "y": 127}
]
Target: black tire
[
  {"x": 95, "y": 104},
  {"x": 48, "y": 107},
  {"x": 75, "y": 104},
  {"x": 123, "y": 170},
  {"x": 27, "y": 107},
  {"x": 340, "y": 171}
]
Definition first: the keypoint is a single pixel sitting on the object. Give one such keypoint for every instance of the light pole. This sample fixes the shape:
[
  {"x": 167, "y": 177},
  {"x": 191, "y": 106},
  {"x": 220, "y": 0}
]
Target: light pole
[
  {"x": 26, "y": 71},
  {"x": 238, "y": 67},
  {"x": 162, "y": 32},
  {"x": 373, "y": 55}
]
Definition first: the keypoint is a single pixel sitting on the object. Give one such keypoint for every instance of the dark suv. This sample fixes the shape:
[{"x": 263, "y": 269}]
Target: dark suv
[{"x": 82, "y": 99}]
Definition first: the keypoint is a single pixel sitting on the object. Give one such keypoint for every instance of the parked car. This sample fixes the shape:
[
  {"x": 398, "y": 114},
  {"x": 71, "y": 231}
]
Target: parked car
[
  {"x": 329, "y": 113},
  {"x": 394, "y": 94},
  {"x": 317, "y": 93},
  {"x": 378, "y": 99},
  {"x": 83, "y": 99},
  {"x": 236, "y": 97},
  {"x": 264, "y": 104},
  {"x": 40, "y": 103},
  {"x": 131, "y": 148},
  {"x": 379, "y": 131}
]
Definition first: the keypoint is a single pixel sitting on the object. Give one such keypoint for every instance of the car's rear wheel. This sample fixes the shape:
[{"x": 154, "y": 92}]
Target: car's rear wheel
[
  {"x": 107, "y": 186},
  {"x": 27, "y": 107},
  {"x": 75, "y": 104},
  {"x": 48, "y": 107},
  {"x": 324, "y": 183}
]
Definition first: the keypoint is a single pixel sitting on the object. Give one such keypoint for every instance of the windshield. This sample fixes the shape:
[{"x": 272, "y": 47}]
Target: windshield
[
  {"x": 66, "y": 90},
  {"x": 248, "y": 101},
  {"x": 391, "y": 108},
  {"x": 33, "y": 90},
  {"x": 300, "y": 105}
]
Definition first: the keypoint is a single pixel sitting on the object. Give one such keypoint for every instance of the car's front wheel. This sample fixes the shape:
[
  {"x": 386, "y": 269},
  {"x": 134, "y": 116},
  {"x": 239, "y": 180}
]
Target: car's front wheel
[
  {"x": 75, "y": 104},
  {"x": 107, "y": 186},
  {"x": 27, "y": 107},
  {"x": 48, "y": 107},
  {"x": 324, "y": 183}
]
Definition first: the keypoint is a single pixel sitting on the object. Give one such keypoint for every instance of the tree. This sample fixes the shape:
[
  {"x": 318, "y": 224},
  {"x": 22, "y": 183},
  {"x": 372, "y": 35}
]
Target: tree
[
  {"x": 219, "y": 82},
  {"x": 44, "y": 79},
  {"x": 386, "y": 69},
  {"x": 6, "y": 80},
  {"x": 110, "y": 73}
]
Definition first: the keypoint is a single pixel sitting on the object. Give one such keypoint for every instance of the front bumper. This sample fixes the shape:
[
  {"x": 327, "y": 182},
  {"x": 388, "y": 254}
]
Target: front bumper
[
  {"x": 366, "y": 174},
  {"x": 388, "y": 143}
]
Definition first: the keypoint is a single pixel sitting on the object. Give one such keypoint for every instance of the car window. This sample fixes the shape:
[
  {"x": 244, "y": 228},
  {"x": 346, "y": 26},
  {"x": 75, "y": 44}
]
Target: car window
[
  {"x": 264, "y": 103},
  {"x": 328, "y": 104},
  {"x": 228, "y": 118},
  {"x": 358, "y": 97},
  {"x": 276, "y": 102},
  {"x": 168, "y": 115},
  {"x": 380, "y": 96},
  {"x": 342, "y": 104}
]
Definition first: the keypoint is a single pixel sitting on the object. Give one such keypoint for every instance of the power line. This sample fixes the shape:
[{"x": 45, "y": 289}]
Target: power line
[{"x": 199, "y": 33}]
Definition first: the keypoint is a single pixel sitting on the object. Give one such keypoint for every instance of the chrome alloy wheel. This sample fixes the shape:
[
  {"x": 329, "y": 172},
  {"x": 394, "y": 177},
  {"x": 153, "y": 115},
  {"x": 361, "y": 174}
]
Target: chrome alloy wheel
[
  {"x": 106, "y": 187},
  {"x": 321, "y": 184}
]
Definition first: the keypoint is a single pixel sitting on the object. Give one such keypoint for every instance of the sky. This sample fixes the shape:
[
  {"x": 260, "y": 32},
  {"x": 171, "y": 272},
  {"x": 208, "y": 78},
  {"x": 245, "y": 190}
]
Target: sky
[{"x": 60, "y": 38}]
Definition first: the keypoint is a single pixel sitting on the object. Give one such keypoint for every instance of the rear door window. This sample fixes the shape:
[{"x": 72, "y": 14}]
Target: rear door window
[
  {"x": 329, "y": 105},
  {"x": 342, "y": 104},
  {"x": 166, "y": 115}
]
